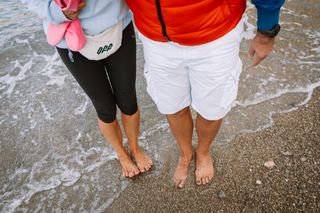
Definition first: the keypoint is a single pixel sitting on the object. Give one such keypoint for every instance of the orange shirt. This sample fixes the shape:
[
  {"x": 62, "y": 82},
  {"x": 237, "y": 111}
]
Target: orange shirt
[{"x": 187, "y": 22}]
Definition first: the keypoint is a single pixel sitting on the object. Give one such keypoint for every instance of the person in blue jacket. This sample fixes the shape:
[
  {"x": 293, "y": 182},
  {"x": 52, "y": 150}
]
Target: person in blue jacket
[{"x": 109, "y": 82}]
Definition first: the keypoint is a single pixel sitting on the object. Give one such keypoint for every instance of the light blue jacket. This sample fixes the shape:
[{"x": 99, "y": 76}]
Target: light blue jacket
[{"x": 97, "y": 16}]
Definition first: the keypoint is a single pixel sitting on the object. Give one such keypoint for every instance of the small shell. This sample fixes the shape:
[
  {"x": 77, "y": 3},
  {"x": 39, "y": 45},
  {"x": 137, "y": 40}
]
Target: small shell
[
  {"x": 258, "y": 182},
  {"x": 269, "y": 164}
]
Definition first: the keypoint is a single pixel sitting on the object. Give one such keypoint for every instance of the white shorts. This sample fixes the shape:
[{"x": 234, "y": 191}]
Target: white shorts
[{"x": 204, "y": 76}]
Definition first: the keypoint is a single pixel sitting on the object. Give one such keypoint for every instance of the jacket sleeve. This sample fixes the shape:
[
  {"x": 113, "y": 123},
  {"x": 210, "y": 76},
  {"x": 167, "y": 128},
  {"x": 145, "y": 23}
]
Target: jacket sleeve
[
  {"x": 46, "y": 9},
  {"x": 268, "y": 12}
]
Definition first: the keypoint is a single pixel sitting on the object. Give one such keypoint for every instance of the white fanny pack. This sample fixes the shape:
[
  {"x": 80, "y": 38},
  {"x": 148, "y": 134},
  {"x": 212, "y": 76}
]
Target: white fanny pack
[{"x": 104, "y": 44}]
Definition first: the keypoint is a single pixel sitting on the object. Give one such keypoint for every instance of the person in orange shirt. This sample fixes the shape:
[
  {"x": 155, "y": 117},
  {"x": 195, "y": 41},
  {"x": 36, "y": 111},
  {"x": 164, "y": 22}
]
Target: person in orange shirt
[{"x": 191, "y": 51}]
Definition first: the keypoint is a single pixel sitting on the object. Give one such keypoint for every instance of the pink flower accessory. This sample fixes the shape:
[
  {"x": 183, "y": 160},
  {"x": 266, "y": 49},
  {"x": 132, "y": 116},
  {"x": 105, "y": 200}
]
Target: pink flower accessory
[{"x": 71, "y": 31}]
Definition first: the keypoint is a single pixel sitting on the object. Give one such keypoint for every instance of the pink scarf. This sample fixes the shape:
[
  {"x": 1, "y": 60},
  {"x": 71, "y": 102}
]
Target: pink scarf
[{"x": 71, "y": 31}]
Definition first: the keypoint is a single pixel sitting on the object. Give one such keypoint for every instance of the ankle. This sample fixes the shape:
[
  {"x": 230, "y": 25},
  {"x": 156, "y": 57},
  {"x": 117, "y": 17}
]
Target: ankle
[
  {"x": 186, "y": 156},
  {"x": 134, "y": 148},
  {"x": 123, "y": 155},
  {"x": 202, "y": 152},
  {"x": 123, "y": 158}
]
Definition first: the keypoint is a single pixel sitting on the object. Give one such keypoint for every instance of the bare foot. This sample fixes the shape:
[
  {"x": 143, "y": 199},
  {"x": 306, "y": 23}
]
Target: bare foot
[
  {"x": 129, "y": 169},
  {"x": 181, "y": 173},
  {"x": 143, "y": 161},
  {"x": 204, "y": 169}
]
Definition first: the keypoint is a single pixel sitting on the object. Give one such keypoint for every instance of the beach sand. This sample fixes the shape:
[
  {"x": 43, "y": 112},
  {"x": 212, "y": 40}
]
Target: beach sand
[
  {"x": 53, "y": 157},
  {"x": 292, "y": 185}
]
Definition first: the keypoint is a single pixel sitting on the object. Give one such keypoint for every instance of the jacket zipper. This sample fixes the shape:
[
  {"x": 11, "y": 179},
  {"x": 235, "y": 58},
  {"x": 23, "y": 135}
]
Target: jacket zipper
[{"x": 163, "y": 25}]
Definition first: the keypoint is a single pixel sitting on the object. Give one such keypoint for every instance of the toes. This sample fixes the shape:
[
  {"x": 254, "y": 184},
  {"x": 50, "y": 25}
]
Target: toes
[
  {"x": 149, "y": 166},
  {"x": 182, "y": 183},
  {"x": 203, "y": 181},
  {"x": 131, "y": 174},
  {"x": 176, "y": 181},
  {"x": 136, "y": 172},
  {"x": 207, "y": 180},
  {"x": 126, "y": 173},
  {"x": 198, "y": 180},
  {"x": 142, "y": 169},
  {"x": 150, "y": 162}
]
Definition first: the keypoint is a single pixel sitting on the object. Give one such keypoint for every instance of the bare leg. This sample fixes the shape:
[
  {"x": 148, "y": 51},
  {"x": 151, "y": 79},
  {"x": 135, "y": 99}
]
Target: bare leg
[
  {"x": 182, "y": 127},
  {"x": 112, "y": 133},
  {"x": 206, "y": 130},
  {"x": 131, "y": 124}
]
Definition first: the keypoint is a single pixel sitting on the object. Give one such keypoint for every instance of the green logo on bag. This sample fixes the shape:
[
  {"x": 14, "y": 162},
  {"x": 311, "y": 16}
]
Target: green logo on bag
[{"x": 106, "y": 48}]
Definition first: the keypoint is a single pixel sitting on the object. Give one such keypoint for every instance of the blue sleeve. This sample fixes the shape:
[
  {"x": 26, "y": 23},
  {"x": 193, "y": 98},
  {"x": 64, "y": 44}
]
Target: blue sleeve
[
  {"x": 268, "y": 12},
  {"x": 46, "y": 9}
]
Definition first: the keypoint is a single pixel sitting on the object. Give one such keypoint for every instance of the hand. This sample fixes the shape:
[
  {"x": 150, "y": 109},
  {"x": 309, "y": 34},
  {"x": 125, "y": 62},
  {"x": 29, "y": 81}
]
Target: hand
[
  {"x": 72, "y": 15},
  {"x": 260, "y": 47}
]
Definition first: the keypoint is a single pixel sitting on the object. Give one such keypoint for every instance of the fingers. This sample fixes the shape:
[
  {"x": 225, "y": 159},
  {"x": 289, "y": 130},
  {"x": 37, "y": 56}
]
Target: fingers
[
  {"x": 81, "y": 5},
  {"x": 256, "y": 55},
  {"x": 72, "y": 15},
  {"x": 260, "y": 47},
  {"x": 257, "y": 59}
]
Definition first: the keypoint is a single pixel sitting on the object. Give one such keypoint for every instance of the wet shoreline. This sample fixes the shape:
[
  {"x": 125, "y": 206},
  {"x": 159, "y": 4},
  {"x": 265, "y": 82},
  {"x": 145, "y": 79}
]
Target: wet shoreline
[
  {"x": 51, "y": 150},
  {"x": 292, "y": 185}
]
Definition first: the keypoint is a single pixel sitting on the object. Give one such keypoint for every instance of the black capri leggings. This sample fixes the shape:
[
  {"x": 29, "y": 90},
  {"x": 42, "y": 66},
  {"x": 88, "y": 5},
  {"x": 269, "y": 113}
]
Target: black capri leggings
[{"x": 109, "y": 82}]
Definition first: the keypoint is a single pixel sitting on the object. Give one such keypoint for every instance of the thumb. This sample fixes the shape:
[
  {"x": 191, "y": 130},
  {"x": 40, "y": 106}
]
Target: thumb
[
  {"x": 256, "y": 60},
  {"x": 251, "y": 50},
  {"x": 81, "y": 5}
]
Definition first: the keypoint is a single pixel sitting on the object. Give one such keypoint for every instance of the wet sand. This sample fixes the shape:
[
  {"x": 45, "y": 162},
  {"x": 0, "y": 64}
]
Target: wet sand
[
  {"x": 292, "y": 185},
  {"x": 54, "y": 159}
]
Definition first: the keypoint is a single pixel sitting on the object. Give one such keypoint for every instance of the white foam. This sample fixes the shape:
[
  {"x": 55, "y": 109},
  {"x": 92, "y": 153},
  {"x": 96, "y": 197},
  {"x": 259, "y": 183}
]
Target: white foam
[
  {"x": 47, "y": 114},
  {"x": 307, "y": 89},
  {"x": 69, "y": 176},
  {"x": 161, "y": 125},
  {"x": 11, "y": 81},
  {"x": 66, "y": 164},
  {"x": 49, "y": 70},
  {"x": 83, "y": 107},
  {"x": 18, "y": 171}
]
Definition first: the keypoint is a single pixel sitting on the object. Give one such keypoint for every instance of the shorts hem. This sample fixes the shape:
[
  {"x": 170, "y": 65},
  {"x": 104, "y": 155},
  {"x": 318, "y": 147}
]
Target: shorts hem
[
  {"x": 212, "y": 117},
  {"x": 170, "y": 112}
]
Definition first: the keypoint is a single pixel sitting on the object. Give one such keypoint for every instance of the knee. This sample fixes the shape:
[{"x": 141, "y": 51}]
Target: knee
[
  {"x": 129, "y": 109},
  {"x": 106, "y": 117},
  {"x": 180, "y": 113},
  {"x": 106, "y": 112},
  {"x": 128, "y": 105},
  {"x": 207, "y": 121}
]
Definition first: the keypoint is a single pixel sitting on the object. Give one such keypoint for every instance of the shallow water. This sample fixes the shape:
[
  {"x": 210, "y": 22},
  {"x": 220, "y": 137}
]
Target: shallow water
[{"x": 52, "y": 155}]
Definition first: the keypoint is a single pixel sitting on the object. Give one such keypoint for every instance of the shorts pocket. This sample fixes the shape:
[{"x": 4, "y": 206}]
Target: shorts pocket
[
  {"x": 232, "y": 92},
  {"x": 150, "y": 83},
  {"x": 239, "y": 30}
]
